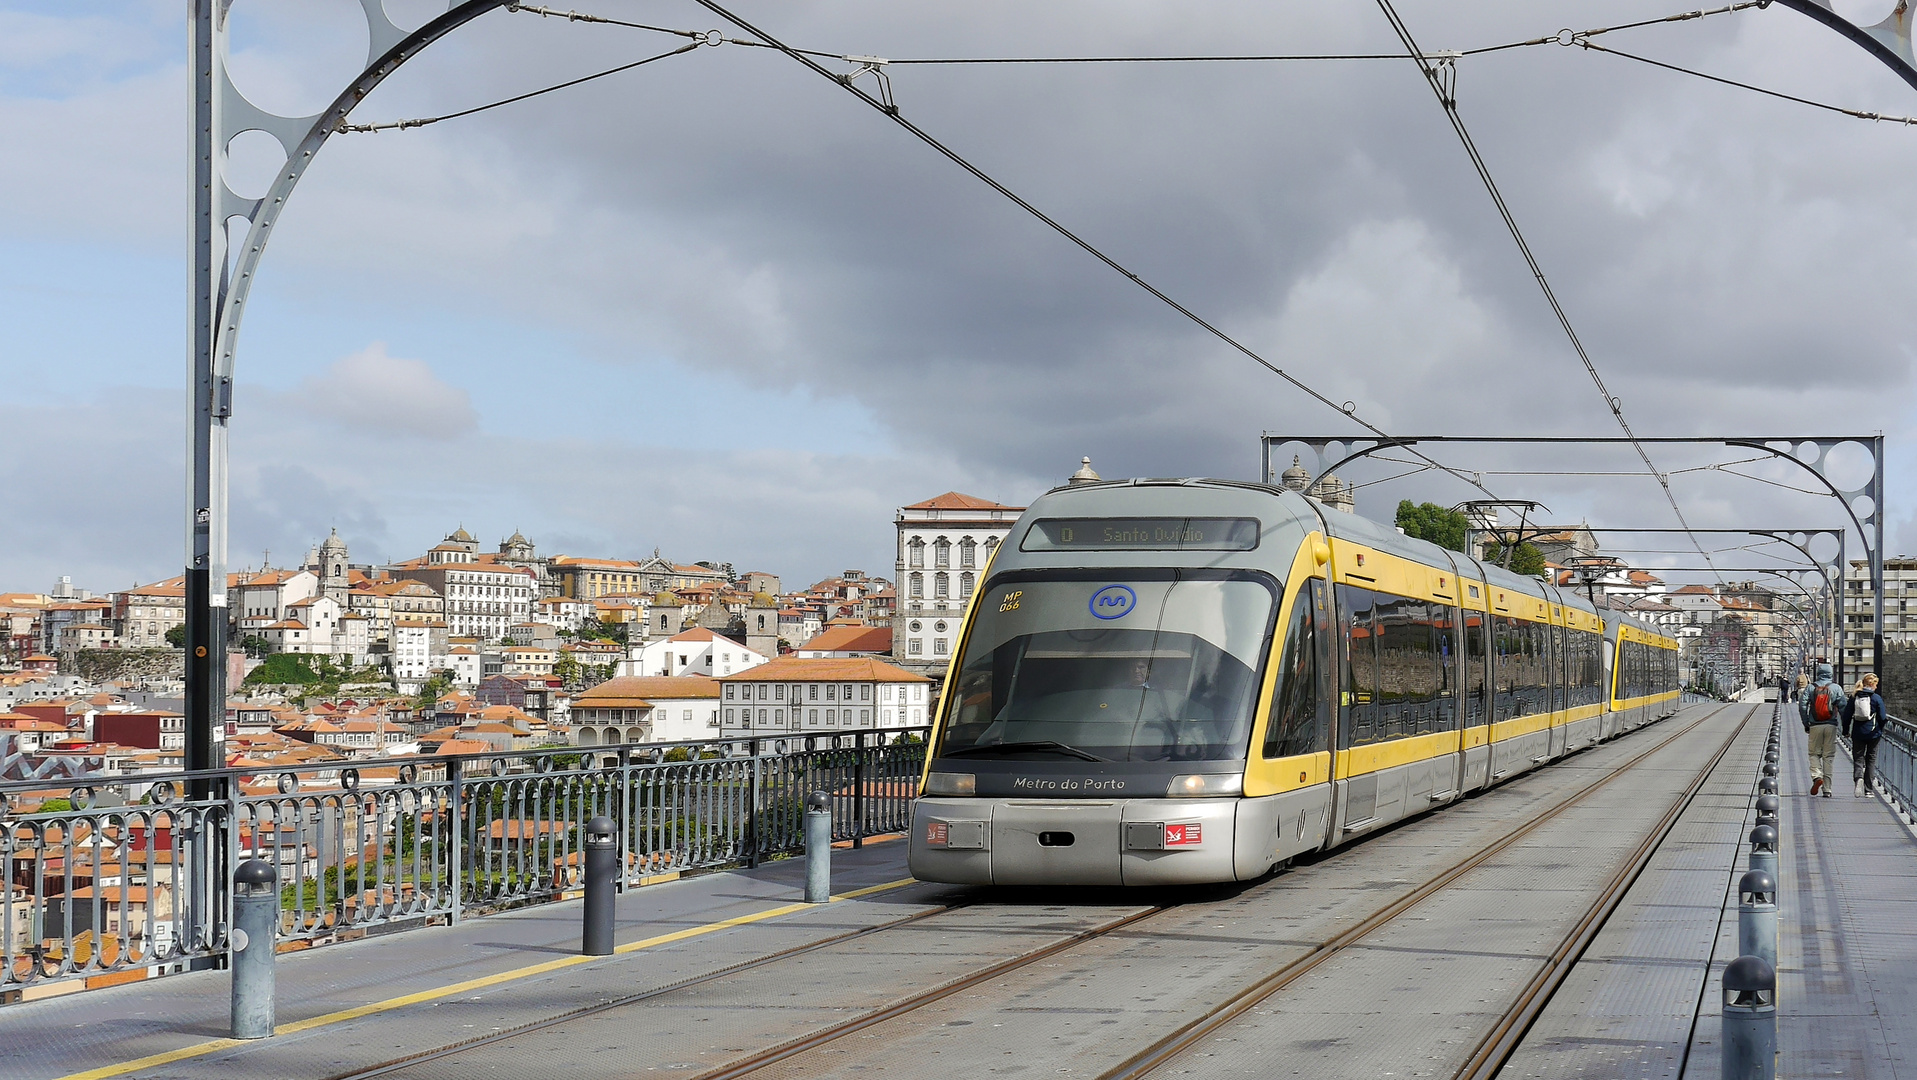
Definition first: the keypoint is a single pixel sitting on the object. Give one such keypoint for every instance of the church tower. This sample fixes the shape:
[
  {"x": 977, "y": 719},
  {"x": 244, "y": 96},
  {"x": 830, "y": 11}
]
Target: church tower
[{"x": 334, "y": 578}]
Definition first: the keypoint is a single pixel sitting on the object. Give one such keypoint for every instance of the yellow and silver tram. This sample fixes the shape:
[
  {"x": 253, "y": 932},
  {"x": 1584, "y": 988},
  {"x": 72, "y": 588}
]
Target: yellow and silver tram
[{"x": 1170, "y": 681}]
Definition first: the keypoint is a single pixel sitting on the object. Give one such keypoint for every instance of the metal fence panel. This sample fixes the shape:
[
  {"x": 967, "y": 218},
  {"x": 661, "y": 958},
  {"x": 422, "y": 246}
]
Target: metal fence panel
[{"x": 94, "y": 888}]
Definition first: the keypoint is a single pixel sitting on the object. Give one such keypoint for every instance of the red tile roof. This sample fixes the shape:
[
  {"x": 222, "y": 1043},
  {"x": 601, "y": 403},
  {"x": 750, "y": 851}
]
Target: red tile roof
[{"x": 953, "y": 500}]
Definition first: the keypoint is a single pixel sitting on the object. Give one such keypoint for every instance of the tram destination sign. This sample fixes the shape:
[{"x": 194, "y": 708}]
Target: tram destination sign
[{"x": 1142, "y": 534}]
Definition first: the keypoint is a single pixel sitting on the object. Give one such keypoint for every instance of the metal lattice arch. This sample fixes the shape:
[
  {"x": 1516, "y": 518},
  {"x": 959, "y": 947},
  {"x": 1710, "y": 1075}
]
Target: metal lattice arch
[{"x": 222, "y": 282}]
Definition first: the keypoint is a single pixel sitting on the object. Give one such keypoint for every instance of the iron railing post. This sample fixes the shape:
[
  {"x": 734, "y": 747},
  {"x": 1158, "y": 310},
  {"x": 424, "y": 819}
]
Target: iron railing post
[
  {"x": 858, "y": 790},
  {"x": 455, "y": 839},
  {"x": 754, "y": 830}
]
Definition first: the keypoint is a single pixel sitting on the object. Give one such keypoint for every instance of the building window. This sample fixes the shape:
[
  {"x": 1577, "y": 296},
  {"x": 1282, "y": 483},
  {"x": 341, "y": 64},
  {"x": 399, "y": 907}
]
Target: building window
[
  {"x": 965, "y": 586},
  {"x": 942, "y": 586},
  {"x": 938, "y": 646},
  {"x": 865, "y": 691},
  {"x": 915, "y": 553},
  {"x": 848, "y": 692},
  {"x": 942, "y": 553},
  {"x": 865, "y": 716},
  {"x": 762, "y": 718},
  {"x": 779, "y": 694},
  {"x": 812, "y": 715},
  {"x": 968, "y": 554},
  {"x": 832, "y": 691},
  {"x": 917, "y": 587},
  {"x": 729, "y": 716},
  {"x": 915, "y": 647},
  {"x": 812, "y": 692}
]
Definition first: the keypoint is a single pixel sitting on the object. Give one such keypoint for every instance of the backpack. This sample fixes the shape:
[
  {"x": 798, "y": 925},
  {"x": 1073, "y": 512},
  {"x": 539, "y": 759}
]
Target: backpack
[{"x": 1820, "y": 705}]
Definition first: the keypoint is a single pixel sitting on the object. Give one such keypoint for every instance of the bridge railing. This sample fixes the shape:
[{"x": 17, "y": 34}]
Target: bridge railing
[
  {"x": 119, "y": 872},
  {"x": 1897, "y": 762}
]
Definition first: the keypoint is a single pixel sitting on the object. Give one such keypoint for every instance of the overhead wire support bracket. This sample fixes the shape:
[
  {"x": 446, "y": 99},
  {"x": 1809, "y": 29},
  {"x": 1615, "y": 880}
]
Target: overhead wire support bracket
[{"x": 875, "y": 67}]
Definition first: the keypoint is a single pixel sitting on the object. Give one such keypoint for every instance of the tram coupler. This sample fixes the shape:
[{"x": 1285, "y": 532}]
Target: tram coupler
[
  {"x": 818, "y": 848},
  {"x": 1750, "y": 1020},
  {"x": 1757, "y": 916},
  {"x": 256, "y": 917},
  {"x": 601, "y": 881}
]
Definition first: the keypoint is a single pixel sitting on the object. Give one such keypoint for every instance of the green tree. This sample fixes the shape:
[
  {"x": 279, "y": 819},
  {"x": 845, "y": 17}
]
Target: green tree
[
  {"x": 566, "y": 670},
  {"x": 255, "y": 645},
  {"x": 176, "y": 637},
  {"x": 430, "y": 693},
  {"x": 1429, "y": 521},
  {"x": 1526, "y": 559}
]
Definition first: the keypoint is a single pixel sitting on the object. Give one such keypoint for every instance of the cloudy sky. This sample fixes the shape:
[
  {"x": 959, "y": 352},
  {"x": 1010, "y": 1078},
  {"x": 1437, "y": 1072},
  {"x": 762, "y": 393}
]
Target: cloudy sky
[{"x": 719, "y": 307}]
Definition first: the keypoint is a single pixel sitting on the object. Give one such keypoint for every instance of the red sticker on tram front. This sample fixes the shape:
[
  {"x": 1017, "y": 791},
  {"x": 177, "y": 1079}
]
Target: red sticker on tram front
[
  {"x": 1184, "y": 835},
  {"x": 937, "y": 832}
]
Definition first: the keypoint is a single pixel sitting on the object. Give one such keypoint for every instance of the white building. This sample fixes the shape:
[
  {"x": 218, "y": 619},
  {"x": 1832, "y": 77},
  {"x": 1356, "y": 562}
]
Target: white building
[
  {"x": 1900, "y": 608},
  {"x": 798, "y": 694},
  {"x": 944, "y": 544},
  {"x": 483, "y": 595},
  {"x": 698, "y": 651},
  {"x": 264, "y": 598},
  {"x": 656, "y": 709},
  {"x": 418, "y": 646}
]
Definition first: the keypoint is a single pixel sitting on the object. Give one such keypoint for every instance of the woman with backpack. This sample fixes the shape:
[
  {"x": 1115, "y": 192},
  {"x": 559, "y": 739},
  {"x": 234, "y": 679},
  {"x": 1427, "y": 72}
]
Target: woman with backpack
[{"x": 1864, "y": 719}]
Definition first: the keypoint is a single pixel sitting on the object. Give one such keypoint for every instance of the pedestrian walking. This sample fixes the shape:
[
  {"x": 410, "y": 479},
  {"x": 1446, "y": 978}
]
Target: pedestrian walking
[
  {"x": 1821, "y": 706},
  {"x": 1864, "y": 720}
]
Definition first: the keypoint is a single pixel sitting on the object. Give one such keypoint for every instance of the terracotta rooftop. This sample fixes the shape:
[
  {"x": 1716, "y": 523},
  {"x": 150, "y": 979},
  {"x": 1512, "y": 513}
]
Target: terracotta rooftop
[
  {"x": 825, "y": 669},
  {"x": 953, "y": 500}
]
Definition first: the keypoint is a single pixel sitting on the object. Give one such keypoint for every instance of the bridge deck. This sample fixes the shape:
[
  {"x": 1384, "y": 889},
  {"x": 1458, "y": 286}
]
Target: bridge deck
[{"x": 1406, "y": 999}]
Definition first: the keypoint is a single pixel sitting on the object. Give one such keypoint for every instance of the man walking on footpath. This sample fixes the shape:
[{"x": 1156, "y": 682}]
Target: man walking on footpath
[
  {"x": 1822, "y": 708},
  {"x": 1864, "y": 720}
]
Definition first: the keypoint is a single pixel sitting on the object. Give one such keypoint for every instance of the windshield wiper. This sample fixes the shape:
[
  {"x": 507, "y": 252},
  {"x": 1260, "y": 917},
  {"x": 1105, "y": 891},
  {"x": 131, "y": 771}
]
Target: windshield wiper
[{"x": 984, "y": 749}]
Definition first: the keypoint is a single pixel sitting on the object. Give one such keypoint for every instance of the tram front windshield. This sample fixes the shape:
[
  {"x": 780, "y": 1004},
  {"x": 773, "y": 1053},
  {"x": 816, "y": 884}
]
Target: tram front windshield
[{"x": 1112, "y": 670}]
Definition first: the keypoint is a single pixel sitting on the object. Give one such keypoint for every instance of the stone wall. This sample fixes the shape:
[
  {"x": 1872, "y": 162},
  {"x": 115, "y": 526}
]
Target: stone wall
[{"x": 127, "y": 665}]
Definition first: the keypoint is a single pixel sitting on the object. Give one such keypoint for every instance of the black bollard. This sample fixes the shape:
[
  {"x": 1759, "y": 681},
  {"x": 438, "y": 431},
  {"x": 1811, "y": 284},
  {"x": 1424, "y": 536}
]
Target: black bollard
[{"x": 602, "y": 872}]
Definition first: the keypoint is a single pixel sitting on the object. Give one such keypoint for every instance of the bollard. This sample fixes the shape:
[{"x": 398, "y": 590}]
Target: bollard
[
  {"x": 1750, "y": 1020},
  {"x": 1768, "y": 785},
  {"x": 1767, "y": 810},
  {"x": 1770, "y": 768},
  {"x": 602, "y": 874},
  {"x": 1757, "y": 916},
  {"x": 256, "y": 917},
  {"x": 818, "y": 848},
  {"x": 1764, "y": 850}
]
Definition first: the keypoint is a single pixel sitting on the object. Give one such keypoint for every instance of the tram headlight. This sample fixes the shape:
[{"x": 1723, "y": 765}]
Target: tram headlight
[
  {"x": 951, "y": 783},
  {"x": 1191, "y": 785}
]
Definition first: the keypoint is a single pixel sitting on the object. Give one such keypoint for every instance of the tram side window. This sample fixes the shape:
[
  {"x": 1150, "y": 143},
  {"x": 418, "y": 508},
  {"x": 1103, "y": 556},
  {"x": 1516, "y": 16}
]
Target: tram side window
[
  {"x": 1508, "y": 645},
  {"x": 1593, "y": 669},
  {"x": 1407, "y": 674},
  {"x": 1294, "y": 726},
  {"x": 1534, "y": 679},
  {"x": 1559, "y": 665},
  {"x": 1477, "y": 703},
  {"x": 1445, "y": 644},
  {"x": 1361, "y": 668}
]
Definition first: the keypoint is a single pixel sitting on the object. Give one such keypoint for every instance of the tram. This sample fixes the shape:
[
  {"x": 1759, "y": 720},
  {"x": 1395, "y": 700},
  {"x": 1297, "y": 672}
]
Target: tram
[{"x": 1181, "y": 681}]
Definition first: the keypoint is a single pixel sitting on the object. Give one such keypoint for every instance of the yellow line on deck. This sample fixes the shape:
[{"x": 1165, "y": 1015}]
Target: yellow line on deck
[{"x": 481, "y": 983}]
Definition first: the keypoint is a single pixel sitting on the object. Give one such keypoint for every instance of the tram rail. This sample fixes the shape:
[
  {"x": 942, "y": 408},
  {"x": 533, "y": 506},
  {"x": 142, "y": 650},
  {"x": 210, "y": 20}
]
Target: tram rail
[{"x": 1483, "y": 1062}]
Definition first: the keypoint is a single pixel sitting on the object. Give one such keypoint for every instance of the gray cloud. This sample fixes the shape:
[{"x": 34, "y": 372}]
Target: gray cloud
[
  {"x": 1734, "y": 264},
  {"x": 391, "y": 396}
]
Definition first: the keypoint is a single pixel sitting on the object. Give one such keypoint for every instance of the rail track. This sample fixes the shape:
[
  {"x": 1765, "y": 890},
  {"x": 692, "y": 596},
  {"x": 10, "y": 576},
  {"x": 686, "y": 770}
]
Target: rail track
[{"x": 1485, "y": 1059}]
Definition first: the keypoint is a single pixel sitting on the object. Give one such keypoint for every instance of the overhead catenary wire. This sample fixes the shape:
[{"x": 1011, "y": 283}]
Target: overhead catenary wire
[
  {"x": 1447, "y": 99},
  {"x": 891, "y": 111},
  {"x": 400, "y": 125},
  {"x": 1861, "y": 114}
]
